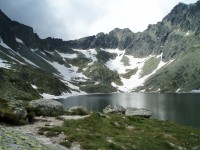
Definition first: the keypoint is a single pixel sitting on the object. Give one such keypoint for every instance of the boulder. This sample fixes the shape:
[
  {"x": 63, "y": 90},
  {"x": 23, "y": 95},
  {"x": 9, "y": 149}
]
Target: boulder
[
  {"x": 116, "y": 109},
  {"x": 13, "y": 112},
  {"x": 76, "y": 110},
  {"x": 130, "y": 111},
  {"x": 138, "y": 112},
  {"x": 43, "y": 107}
]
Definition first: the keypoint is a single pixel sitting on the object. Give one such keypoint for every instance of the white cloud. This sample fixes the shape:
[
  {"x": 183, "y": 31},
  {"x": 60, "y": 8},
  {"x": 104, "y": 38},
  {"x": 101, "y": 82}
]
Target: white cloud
[{"x": 70, "y": 19}]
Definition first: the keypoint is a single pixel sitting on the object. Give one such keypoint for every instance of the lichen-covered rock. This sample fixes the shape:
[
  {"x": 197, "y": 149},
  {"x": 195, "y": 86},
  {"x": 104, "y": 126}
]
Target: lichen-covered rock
[
  {"x": 44, "y": 107},
  {"x": 116, "y": 109},
  {"x": 13, "y": 112},
  {"x": 76, "y": 110},
  {"x": 130, "y": 111},
  {"x": 138, "y": 112},
  {"x": 12, "y": 139}
]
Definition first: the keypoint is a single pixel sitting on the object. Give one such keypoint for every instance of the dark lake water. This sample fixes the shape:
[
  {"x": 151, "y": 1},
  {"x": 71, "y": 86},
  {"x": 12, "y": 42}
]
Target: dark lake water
[{"x": 181, "y": 108}]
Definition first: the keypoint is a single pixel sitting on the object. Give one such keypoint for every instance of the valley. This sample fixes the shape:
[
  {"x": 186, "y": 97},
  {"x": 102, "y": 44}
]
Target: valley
[
  {"x": 163, "y": 58},
  {"x": 156, "y": 70}
]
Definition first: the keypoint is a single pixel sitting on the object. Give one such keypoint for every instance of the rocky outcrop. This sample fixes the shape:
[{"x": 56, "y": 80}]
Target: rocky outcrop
[
  {"x": 101, "y": 73},
  {"x": 44, "y": 107},
  {"x": 76, "y": 111},
  {"x": 117, "y": 38},
  {"x": 13, "y": 112},
  {"x": 117, "y": 109},
  {"x": 6, "y": 33},
  {"x": 138, "y": 112},
  {"x": 103, "y": 56},
  {"x": 177, "y": 32}
]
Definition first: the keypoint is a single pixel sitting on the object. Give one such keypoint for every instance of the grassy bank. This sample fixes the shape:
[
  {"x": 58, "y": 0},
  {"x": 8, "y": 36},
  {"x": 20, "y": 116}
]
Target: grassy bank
[{"x": 121, "y": 132}]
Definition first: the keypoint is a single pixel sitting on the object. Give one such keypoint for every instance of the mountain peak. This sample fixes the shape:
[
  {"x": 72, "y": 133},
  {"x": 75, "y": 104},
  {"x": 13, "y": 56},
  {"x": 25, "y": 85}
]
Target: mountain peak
[
  {"x": 118, "y": 31},
  {"x": 177, "y": 13},
  {"x": 3, "y": 17}
]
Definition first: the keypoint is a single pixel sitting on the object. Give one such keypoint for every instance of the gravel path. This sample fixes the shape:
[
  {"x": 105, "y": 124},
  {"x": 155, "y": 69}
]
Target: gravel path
[
  {"x": 27, "y": 137},
  {"x": 14, "y": 140}
]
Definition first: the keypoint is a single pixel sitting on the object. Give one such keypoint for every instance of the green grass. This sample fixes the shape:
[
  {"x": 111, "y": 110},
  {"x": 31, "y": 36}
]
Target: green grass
[
  {"x": 130, "y": 73},
  {"x": 183, "y": 73},
  {"x": 81, "y": 61},
  {"x": 15, "y": 83},
  {"x": 125, "y": 60},
  {"x": 150, "y": 65},
  {"x": 8, "y": 112},
  {"x": 122, "y": 132}
]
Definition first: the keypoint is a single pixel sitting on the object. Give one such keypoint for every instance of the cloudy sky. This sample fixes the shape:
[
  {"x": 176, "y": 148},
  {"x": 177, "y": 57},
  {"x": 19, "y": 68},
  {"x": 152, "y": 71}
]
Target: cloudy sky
[{"x": 72, "y": 19}]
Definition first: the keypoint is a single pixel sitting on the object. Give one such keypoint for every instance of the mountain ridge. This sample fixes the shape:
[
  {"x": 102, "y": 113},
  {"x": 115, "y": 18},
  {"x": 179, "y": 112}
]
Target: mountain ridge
[{"x": 119, "y": 61}]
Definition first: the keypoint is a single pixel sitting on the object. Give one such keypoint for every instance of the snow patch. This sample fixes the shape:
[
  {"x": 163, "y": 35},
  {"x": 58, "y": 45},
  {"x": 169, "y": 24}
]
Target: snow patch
[
  {"x": 34, "y": 86},
  {"x": 3, "y": 44},
  {"x": 195, "y": 91},
  {"x": 3, "y": 64},
  {"x": 117, "y": 64},
  {"x": 188, "y": 33},
  {"x": 33, "y": 50},
  {"x": 135, "y": 80},
  {"x": 64, "y": 95},
  {"x": 68, "y": 73},
  {"x": 90, "y": 53},
  {"x": 11, "y": 51},
  {"x": 70, "y": 56},
  {"x": 19, "y": 40}
]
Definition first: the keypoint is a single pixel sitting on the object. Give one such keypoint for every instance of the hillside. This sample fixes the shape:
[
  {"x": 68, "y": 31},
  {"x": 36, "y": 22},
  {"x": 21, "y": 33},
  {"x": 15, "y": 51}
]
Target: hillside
[{"x": 163, "y": 58}]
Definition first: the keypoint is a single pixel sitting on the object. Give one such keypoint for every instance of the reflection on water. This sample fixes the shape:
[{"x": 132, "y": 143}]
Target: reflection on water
[{"x": 181, "y": 108}]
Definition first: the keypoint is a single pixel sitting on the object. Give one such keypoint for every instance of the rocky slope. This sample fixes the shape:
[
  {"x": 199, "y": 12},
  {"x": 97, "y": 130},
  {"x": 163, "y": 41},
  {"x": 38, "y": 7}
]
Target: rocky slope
[{"x": 162, "y": 58}]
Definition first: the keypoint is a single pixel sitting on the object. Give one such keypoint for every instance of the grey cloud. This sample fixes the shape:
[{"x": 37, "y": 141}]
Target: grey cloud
[{"x": 70, "y": 19}]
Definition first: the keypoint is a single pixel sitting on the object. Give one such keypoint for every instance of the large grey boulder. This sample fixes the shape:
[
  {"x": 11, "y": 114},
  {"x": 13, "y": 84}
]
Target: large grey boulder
[
  {"x": 130, "y": 111},
  {"x": 43, "y": 107},
  {"x": 138, "y": 112},
  {"x": 116, "y": 109}
]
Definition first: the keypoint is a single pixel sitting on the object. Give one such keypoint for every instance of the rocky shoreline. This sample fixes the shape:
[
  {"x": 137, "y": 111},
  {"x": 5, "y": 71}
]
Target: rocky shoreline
[{"x": 28, "y": 137}]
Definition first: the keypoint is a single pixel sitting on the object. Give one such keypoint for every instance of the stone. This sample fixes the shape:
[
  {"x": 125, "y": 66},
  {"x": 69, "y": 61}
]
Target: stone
[
  {"x": 15, "y": 140},
  {"x": 13, "y": 112},
  {"x": 43, "y": 107},
  {"x": 75, "y": 108},
  {"x": 196, "y": 148},
  {"x": 116, "y": 109},
  {"x": 138, "y": 112}
]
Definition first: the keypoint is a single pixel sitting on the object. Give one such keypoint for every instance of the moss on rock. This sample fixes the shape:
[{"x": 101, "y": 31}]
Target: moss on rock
[
  {"x": 44, "y": 107},
  {"x": 11, "y": 139},
  {"x": 13, "y": 112}
]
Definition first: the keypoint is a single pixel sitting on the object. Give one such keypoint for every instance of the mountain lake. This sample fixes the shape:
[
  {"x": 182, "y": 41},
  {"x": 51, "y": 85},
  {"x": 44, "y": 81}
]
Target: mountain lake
[{"x": 182, "y": 108}]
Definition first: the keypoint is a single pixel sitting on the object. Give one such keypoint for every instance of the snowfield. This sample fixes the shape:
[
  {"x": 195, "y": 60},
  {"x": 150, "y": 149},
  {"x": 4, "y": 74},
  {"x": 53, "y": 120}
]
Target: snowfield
[
  {"x": 3, "y": 64},
  {"x": 72, "y": 74},
  {"x": 122, "y": 63}
]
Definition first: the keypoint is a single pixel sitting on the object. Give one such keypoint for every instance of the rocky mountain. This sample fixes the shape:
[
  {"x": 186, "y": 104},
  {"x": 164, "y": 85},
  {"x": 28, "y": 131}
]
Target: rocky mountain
[{"x": 163, "y": 58}]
